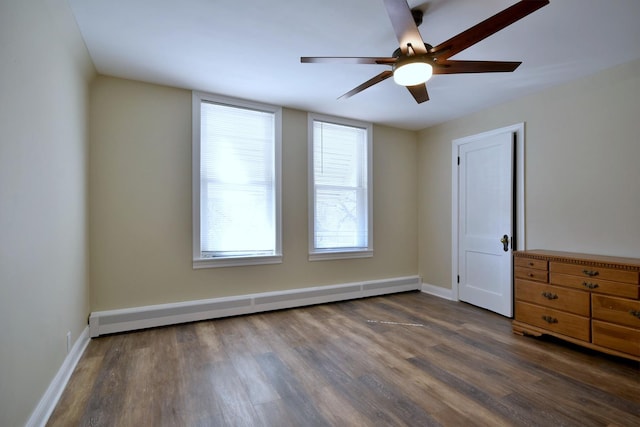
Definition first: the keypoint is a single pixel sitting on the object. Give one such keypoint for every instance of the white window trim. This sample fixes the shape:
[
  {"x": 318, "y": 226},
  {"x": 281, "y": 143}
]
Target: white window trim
[
  {"x": 198, "y": 260},
  {"x": 340, "y": 253}
]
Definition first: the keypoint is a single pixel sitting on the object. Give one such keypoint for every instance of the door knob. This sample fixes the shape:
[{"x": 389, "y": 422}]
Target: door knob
[{"x": 505, "y": 243}]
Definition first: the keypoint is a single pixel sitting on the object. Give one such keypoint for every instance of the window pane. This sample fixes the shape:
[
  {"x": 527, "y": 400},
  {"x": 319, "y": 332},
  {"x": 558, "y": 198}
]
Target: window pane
[
  {"x": 236, "y": 221},
  {"x": 340, "y": 212},
  {"x": 338, "y": 154},
  {"x": 237, "y": 175},
  {"x": 337, "y": 219},
  {"x": 237, "y": 144}
]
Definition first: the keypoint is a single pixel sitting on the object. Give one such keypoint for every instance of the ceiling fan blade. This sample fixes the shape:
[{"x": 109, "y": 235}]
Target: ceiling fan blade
[
  {"x": 419, "y": 93},
  {"x": 346, "y": 60},
  {"x": 377, "y": 79},
  {"x": 456, "y": 67},
  {"x": 486, "y": 28},
  {"x": 404, "y": 26}
]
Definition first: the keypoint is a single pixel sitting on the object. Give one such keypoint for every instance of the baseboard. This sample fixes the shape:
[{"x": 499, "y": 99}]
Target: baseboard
[
  {"x": 438, "y": 291},
  {"x": 112, "y": 321},
  {"x": 50, "y": 398}
]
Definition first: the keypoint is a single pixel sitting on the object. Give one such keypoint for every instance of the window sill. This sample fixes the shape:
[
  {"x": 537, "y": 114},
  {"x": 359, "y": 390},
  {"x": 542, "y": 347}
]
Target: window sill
[
  {"x": 344, "y": 254},
  {"x": 199, "y": 263}
]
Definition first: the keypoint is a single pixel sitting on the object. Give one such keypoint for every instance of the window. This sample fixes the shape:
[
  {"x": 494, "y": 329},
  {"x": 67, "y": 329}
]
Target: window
[
  {"x": 236, "y": 182},
  {"x": 340, "y": 199}
]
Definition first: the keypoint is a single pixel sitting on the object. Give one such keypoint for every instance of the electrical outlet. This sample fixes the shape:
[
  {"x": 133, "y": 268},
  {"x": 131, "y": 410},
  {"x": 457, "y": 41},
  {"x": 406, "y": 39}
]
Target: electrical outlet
[{"x": 68, "y": 341}]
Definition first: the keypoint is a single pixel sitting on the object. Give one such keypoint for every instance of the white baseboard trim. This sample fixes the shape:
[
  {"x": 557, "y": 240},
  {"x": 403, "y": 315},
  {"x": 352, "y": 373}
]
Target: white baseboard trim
[
  {"x": 50, "y": 398},
  {"x": 438, "y": 291},
  {"x": 128, "y": 319}
]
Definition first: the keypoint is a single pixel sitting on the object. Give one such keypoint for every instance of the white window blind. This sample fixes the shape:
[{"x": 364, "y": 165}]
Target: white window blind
[
  {"x": 238, "y": 185},
  {"x": 341, "y": 214}
]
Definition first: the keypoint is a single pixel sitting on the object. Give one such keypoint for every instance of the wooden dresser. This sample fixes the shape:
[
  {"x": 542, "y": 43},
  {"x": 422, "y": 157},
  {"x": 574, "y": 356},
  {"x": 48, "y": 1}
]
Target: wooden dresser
[{"x": 590, "y": 300}]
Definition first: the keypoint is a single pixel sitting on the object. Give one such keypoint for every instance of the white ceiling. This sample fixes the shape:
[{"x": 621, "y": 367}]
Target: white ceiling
[{"x": 251, "y": 49}]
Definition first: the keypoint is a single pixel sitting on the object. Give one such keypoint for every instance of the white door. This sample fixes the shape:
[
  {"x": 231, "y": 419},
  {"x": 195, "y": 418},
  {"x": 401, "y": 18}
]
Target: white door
[{"x": 485, "y": 222}]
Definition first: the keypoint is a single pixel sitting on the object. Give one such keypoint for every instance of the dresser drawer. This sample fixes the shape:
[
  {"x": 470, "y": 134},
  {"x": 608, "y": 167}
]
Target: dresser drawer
[
  {"x": 616, "y": 310},
  {"x": 564, "y": 299},
  {"x": 557, "y": 321},
  {"x": 531, "y": 274},
  {"x": 592, "y": 272},
  {"x": 538, "y": 264},
  {"x": 595, "y": 285},
  {"x": 621, "y": 338}
]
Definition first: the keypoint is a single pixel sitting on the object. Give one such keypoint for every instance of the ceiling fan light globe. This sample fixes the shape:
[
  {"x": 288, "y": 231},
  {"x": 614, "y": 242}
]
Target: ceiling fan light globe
[{"x": 412, "y": 73}]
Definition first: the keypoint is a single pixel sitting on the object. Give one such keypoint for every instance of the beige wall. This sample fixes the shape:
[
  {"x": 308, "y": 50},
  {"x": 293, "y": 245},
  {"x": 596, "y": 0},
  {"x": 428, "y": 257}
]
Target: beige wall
[
  {"x": 140, "y": 204},
  {"x": 43, "y": 215},
  {"x": 582, "y": 175}
]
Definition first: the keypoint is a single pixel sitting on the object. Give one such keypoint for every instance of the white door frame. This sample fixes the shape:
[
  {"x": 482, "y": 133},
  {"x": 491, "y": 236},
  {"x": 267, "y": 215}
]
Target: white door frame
[{"x": 519, "y": 228}]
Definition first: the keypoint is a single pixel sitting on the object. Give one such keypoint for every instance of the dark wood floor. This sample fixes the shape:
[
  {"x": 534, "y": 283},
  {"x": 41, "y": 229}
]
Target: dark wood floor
[{"x": 405, "y": 359}]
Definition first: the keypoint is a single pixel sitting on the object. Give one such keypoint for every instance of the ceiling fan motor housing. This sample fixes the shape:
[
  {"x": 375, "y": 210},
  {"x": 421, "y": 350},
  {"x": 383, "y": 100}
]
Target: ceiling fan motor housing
[{"x": 398, "y": 52}]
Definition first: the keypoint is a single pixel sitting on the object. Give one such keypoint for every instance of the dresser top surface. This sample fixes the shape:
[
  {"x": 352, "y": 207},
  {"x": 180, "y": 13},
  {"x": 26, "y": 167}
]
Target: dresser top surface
[{"x": 573, "y": 257}]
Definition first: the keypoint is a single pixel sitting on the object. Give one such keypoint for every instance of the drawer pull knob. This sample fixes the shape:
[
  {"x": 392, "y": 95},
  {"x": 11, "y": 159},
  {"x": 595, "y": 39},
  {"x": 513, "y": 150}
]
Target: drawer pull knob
[
  {"x": 590, "y": 285},
  {"x": 531, "y": 275},
  {"x": 531, "y": 264},
  {"x": 590, "y": 273},
  {"x": 635, "y": 313},
  {"x": 549, "y": 295},
  {"x": 549, "y": 319}
]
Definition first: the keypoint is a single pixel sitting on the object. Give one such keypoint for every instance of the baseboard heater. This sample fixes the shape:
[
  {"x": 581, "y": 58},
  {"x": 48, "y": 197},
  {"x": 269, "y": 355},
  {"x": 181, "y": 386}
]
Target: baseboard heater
[{"x": 129, "y": 319}]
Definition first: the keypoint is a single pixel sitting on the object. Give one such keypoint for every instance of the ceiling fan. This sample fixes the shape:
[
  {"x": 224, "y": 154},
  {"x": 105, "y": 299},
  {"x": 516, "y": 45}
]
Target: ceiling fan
[{"x": 414, "y": 62}]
